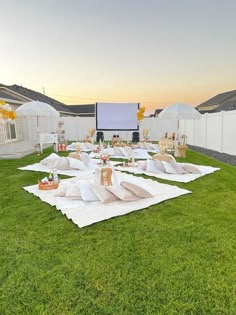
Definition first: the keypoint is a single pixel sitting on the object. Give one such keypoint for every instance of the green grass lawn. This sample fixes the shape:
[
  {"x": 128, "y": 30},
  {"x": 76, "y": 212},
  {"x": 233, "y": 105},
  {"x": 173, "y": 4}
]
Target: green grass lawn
[{"x": 177, "y": 257}]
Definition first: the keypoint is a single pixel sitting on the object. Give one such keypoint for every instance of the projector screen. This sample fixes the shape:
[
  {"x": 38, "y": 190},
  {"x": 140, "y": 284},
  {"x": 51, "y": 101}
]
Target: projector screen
[{"x": 116, "y": 116}]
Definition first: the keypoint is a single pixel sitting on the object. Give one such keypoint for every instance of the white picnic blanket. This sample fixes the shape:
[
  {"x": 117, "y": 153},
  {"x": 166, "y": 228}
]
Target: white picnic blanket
[
  {"x": 182, "y": 178},
  {"x": 38, "y": 167},
  {"x": 84, "y": 213}
]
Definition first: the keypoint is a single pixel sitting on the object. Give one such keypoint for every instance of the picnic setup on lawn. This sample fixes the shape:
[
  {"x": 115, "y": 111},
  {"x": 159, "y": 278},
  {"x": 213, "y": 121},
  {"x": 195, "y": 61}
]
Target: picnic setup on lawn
[{"x": 115, "y": 217}]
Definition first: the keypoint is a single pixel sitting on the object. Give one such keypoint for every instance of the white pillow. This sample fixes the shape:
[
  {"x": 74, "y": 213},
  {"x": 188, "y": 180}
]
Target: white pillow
[
  {"x": 60, "y": 191},
  {"x": 60, "y": 164},
  {"x": 73, "y": 191},
  {"x": 85, "y": 158},
  {"x": 77, "y": 164},
  {"x": 122, "y": 193},
  {"x": 152, "y": 167},
  {"x": 86, "y": 191},
  {"x": 169, "y": 168},
  {"x": 102, "y": 193},
  {"x": 52, "y": 157}
]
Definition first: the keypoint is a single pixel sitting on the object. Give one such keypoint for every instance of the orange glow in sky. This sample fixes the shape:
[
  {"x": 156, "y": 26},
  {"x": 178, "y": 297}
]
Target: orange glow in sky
[{"x": 153, "y": 52}]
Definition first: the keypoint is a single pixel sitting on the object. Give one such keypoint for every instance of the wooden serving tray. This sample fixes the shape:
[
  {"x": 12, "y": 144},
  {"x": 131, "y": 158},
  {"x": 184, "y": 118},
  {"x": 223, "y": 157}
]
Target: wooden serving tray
[{"x": 49, "y": 186}]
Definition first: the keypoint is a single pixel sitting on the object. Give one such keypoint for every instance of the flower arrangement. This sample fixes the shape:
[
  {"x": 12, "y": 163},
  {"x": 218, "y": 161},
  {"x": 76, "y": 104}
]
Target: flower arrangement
[
  {"x": 104, "y": 159},
  {"x": 6, "y": 111}
]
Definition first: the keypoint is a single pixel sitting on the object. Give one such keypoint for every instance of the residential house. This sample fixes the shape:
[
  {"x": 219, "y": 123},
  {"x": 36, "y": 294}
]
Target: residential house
[{"x": 223, "y": 101}]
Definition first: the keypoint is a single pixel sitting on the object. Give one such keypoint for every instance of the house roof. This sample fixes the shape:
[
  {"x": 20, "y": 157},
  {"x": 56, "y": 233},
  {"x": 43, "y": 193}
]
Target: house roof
[
  {"x": 85, "y": 110},
  {"x": 218, "y": 99},
  {"x": 36, "y": 96},
  {"x": 230, "y": 105}
]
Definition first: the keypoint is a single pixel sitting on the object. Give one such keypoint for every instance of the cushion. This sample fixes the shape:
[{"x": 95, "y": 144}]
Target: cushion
[
  {"x": 60, "y": 164},
  {"x": 52, "y": 157},
  {"x": 191, "y": 168},
  {"x": 77, "y": 164},
  {"x": 169, "y": 168},
  {"x": 122, "y": 193},
  {"x": 73, "y": 191},
  {"x": 136, "y": 189},
  {"x": 152, "y": 167},
  {"x": 102, "y": 193},
  {"x": 85, "y": 158},
  {"x": 86, "y": 191},
  {"x": 75, "y": 155},
  {"x": 178, "y": 167},
  {"x": 163, "y": 157},
  {"x": 160, "y": 166},
  {"x": 142, "y": 165},
  {"x": 60, "y": 191}
]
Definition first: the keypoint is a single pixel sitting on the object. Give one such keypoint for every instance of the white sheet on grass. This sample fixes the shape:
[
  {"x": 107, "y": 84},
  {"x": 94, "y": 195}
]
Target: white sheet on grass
[
  {"x": 86, "y": 213},
  {"x": 182, "y": 178},
  {"x": 39, "y": 167}
]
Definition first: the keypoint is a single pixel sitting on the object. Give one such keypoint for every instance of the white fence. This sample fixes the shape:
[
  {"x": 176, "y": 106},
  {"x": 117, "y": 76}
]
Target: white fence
[
  {"x": 77, "y": 127},
  {"x": 214, "y": 131}
]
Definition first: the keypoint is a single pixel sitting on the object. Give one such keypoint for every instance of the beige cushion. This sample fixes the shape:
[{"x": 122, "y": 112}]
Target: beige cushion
[
  {"x": 163, "y": 157},
  {"x": 136, "y": 189},
  {"x": 190, "y": 168},
  {"x": 75, "y": 155},
  {"x": 178, "y": 167},
  {"x": 60, "y": 164},
  {"x": 102, "y": 193},
  {"x": 122, "y": 193},
  {"x": 73, "y": 191}
]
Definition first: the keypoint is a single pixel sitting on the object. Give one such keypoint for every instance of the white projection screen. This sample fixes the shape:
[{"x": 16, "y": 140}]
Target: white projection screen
[{"x": 116, "y": 116}]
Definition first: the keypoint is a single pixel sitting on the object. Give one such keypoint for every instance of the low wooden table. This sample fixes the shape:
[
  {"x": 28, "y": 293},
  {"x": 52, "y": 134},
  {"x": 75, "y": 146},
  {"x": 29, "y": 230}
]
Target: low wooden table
[{"x": 182, "y": 151}]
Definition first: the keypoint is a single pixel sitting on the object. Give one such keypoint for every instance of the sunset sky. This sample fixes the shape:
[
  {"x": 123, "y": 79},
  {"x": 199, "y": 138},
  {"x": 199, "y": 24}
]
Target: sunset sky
[{"x": 156, "y": 52}]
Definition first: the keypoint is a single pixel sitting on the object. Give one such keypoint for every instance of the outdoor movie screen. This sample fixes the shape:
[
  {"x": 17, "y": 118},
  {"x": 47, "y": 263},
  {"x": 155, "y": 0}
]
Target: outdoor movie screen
[{"x": 117, "y": 116}]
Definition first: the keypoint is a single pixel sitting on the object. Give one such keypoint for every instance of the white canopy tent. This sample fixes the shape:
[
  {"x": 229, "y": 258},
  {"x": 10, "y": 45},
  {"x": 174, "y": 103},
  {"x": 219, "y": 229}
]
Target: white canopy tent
[{"x": 37, "y": 118}]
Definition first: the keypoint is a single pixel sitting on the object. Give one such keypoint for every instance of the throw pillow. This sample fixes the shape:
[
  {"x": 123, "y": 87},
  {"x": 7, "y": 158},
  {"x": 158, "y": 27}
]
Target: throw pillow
[
  {"x": 136, "y": 189},
  {"x": 102, "y": 193},
  {"x": 122, "y": 193},
  {"x": 73, "y": 191},
  {"x": 191, "y": 168},
  {"x": 86, "y": 191}
]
